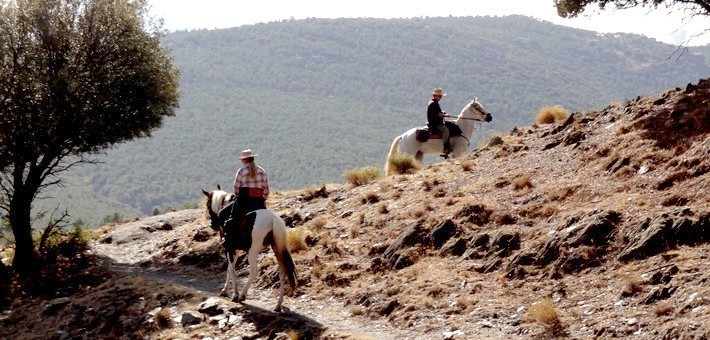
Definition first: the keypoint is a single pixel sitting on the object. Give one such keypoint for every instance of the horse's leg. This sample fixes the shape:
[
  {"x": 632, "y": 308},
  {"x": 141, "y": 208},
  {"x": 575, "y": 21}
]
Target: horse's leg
[
  {"x": 253, "y": 267},
  {"x": 224, "y": 291},
  {"x": 231, "y": 275},
  {"x": 419, "y": 156},
  {"x": 282, "y": 273}
]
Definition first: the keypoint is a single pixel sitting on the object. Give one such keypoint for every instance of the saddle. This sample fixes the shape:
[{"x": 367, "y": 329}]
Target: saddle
[
  {"x": 239, "y": 224},
  {"x": 237, "y": 232},
  {"x": 423, "y": 134}
]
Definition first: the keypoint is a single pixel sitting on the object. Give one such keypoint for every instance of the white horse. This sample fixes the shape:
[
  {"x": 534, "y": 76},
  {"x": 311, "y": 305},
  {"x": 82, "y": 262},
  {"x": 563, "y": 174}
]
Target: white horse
[
  {"x": 261, "y": 229},
  {"x": 408, "y": 143}
]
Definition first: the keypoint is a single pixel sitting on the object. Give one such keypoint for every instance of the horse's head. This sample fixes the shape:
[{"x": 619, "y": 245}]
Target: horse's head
[
  {"x": 475, "y": 110},
  {"x": 216, "y": 200}
]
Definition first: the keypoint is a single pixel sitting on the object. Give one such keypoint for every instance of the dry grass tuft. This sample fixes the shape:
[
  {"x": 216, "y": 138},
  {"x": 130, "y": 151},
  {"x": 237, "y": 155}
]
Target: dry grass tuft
[
  {"x": 662, "y": 309},
  {"x": 467, "y": 165},
  {"x": 546, "y": 210},
  {"x": 551, "y": 114},
  {"x": 370, "y": 197},
  {"x": 383, "y": 209},
  {"x": 544, "y": 312},
  {"x": 417, "y": 212},
  {"x": 162, "y": 319},
  {"x": 562, "y": 193},
  {"x": 362, "y": 176},
  {"x": 404, "y": 164},
  {"x": 318, "y": 223},
  {"x": 296, "y": 239},
  {"x": 632, "y": 285},
  {"x": 521, "y": 182}
]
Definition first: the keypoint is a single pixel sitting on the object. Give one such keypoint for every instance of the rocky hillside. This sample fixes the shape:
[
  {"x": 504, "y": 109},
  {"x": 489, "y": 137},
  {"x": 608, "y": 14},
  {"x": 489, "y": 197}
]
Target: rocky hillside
[{"x": 595, "y": 226}]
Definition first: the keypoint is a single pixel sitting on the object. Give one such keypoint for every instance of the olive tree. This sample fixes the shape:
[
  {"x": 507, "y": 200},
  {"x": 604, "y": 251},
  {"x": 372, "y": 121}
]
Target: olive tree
[{"x": 76, "y": 77}]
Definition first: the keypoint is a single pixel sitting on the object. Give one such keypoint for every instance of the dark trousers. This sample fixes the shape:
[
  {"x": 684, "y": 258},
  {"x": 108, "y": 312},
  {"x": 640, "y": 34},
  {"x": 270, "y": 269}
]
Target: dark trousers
[{"x": 247, "y": 201}]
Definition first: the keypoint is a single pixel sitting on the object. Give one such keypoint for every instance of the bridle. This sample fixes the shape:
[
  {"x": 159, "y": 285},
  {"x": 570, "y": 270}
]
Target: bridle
[{"x": 474, "y": 109}]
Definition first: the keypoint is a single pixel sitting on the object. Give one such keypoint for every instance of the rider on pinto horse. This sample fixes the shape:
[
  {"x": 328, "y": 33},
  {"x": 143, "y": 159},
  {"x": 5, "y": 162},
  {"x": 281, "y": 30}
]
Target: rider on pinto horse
[
  {"x": 435, "y": 119},
  {"x": 251, "y": 186}
]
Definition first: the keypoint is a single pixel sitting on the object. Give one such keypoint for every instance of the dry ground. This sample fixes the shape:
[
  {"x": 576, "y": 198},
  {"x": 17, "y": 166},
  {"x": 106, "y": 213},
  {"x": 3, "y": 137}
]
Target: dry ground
[{"x": 592, "y": 227}]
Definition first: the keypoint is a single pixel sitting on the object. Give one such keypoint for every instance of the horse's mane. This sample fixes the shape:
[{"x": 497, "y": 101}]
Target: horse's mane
[{"x": 218, "y": 199}]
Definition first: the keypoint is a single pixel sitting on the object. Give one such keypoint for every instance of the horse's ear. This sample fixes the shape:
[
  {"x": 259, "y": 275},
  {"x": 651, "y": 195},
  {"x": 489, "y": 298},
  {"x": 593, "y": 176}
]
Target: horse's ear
[
  {"x": 206, "y": 193},
  {"x": 218, "y": 187}
]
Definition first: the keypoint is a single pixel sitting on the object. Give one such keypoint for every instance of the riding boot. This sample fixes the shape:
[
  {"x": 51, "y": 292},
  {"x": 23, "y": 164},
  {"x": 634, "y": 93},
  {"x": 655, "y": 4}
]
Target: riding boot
[{"x": 447, "y": 149}]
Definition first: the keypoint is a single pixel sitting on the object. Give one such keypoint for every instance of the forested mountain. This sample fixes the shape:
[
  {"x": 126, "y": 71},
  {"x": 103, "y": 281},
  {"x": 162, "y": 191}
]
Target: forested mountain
[{"x": 317, "y": 97}]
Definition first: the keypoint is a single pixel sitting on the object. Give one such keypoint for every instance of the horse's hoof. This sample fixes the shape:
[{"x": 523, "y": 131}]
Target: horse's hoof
[
  {"x": 236, "y": 299},
  {"x": 240, "y": 298},
  {"x": 277, "y": 309},
  {"x": 223, "y": 293}
]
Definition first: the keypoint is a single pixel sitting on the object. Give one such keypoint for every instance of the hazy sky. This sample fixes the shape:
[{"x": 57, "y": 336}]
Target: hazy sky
[{"x": 660, "y": 24}]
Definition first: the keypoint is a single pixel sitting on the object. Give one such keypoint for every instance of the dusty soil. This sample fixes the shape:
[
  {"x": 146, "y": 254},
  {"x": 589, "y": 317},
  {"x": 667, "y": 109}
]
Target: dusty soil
[{"x": 592, "y": 227}]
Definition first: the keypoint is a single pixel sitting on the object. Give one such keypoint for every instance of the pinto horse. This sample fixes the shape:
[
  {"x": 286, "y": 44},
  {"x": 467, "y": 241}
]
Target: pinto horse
[
  {"x": 408, "y": 143},
  {"x": 261, "y": 228}
]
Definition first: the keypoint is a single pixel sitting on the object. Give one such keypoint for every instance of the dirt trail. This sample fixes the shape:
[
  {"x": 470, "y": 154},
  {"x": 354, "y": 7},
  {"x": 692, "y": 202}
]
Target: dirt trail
[{"x": 129, "y": 249}]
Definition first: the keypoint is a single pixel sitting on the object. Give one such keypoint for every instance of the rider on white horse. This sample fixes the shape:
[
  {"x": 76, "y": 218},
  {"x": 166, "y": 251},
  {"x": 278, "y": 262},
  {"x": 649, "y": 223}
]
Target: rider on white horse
[{"x": 435, "y": 119}]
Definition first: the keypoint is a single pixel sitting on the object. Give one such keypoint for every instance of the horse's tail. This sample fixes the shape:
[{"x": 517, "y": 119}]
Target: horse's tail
[
  {"x": 280, "y": 248},
  {"x": 394, "y": 151}
]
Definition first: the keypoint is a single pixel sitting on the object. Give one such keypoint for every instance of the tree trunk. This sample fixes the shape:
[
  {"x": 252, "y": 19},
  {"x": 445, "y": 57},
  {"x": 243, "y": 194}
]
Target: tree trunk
[{"x": 25, "y": 259}]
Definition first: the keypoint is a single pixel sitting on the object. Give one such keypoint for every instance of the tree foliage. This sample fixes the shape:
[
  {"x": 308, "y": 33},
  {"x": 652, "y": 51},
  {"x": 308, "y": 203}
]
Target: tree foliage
[
  {"x": 76, "y": 77},
  {"x": 572, "y": 8}
]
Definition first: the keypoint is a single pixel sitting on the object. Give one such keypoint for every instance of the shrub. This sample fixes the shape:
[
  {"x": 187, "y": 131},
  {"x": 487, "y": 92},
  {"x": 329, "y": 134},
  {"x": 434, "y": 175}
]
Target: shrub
[
  {"x": 162, "y": 319},
  {"x": 551, "y": 114},
  {"x": 296, "y": 239},
  {"x": 544, "y": 312},
  {"x": 522, "y": 182},
  {"x": 64, "y": 243},
  {"x": 362, "y": 176},
  {"x": 404, "y": 164},
  {"x": 369, "y": 197}
]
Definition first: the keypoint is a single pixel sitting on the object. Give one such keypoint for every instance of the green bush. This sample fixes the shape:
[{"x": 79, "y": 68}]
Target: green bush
[
  {"x": 64, "y": 243},
  {"x": 362, "y": 176}
]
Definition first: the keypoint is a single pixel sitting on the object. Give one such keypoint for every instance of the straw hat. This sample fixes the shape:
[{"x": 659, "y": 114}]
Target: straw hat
[
  {"x": 438, "y": 92},
  {"x": 247, "y": 154}
]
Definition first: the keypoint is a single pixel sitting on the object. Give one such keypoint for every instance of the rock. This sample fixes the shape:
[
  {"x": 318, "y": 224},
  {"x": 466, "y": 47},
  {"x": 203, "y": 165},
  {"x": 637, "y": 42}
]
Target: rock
[
  {"x": 442, "y": 233},
  {"x": 651, "y": 237},
  {"x": 657, "y": 294},
  {"x": 210, "y": 307},
  {"x": 573, "y": 137},
  {"x": 477, "y": 214},
  {"x": 664, "y": 276},
  {"x": 455, "y": 247},
  {"x": 322, "y": 192},
  {"x": 481, "y": 241},
  {"x": 595, "y": 230},
  {"x": 55, "y": 305},
  {"x": 504, "y": 243},
  {"x": 202, "y": 235},
  {"x": 497, "y": 140},
  {"x": 387, "y": 308},
  {"x": 190, "y": 318},
  {"x": 416, "y": 234},
  {"x": 490, "y": 265}
]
